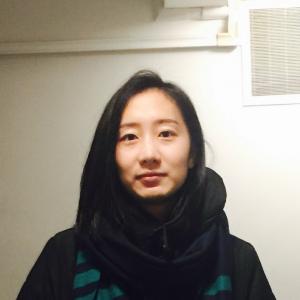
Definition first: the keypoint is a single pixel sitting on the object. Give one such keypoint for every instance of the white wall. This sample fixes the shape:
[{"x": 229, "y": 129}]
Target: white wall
[{"x": 49, "y": 106}]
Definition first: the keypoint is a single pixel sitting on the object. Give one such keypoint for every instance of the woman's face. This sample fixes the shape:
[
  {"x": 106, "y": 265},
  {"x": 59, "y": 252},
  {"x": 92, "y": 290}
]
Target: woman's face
[{"x": 153, "y": 149}]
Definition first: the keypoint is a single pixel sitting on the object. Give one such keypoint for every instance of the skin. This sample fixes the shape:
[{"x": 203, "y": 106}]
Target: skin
[{"x": 153, "y": 149}]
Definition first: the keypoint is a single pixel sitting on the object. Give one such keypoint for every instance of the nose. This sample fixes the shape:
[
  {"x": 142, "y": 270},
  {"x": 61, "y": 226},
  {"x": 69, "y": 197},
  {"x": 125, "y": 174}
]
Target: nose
[{"x": 149, "y": 154}]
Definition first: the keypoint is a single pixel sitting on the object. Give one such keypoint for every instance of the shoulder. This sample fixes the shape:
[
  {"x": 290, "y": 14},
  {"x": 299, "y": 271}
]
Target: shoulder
[
  {"x": 61, "y": 242},
  {"x": 60, "y": 249},
  {"x": 64, "y": 237},
  {"x": 52, "y": 274},
  {"x": 245, "y": 257},
  {"x": 243, "y": 249},
  {"x": 249, "y": 279}
]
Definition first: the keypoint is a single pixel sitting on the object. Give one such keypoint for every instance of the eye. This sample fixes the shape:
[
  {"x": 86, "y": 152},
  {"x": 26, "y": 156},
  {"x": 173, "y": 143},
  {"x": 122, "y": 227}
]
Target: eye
[
  {"x": 166, "y": 134},
  {"x": 128, "y": 137}
]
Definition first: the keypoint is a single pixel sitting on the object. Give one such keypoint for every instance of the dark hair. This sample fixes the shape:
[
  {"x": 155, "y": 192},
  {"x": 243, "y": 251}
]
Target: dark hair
[{"x": 100, "y": 182}]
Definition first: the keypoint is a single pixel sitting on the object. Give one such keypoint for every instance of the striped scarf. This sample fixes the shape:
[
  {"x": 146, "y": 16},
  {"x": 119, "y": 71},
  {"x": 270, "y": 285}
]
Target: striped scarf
[
  {"x": 89, "y": 286},
  {"x": 90, "y": 283},
  {"x": 114, "y": 267}
]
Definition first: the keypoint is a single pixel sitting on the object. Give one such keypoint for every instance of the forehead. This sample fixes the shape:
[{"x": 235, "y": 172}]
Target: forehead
[{"x": 152, "y": 104}]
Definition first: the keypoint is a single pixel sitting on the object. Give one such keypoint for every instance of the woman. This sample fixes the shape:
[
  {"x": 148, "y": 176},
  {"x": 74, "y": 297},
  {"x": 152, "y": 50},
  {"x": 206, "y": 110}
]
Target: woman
[{"x": 150, "y": 222}]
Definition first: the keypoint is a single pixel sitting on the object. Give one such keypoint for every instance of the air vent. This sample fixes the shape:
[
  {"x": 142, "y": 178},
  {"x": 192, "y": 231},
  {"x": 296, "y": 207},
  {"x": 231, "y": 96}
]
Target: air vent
[{"x": 272, "y": 54}]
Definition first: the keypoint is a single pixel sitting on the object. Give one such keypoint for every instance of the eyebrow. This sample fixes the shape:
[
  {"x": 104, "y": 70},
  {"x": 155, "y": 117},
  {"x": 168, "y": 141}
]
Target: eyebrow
[{"x": 160, "y": 121}]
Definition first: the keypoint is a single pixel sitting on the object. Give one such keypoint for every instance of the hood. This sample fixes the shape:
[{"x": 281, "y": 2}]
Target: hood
[
  {"x": 213, "y": 199},
  {"x": 192, "y": 214},
  {"x": 168, "y": 255}
]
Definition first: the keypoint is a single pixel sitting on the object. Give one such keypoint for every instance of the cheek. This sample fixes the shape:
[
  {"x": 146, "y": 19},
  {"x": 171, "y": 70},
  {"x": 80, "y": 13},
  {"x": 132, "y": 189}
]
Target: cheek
[
  {"x": 179, "y": 155},
  {"x": 178, "y": 165},
  {"x": 124, "y": 162}
]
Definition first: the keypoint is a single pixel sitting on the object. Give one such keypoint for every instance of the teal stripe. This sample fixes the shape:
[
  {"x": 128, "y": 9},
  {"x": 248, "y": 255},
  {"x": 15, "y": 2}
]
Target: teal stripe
[
  {"x": 80, "y": 258},
  {"x": 110, "y": 293},
  {"x": 222, "y": 283},
  {"x": 116, "y": 291},
  {"x": 90, "y": 276},
  {"x": 87, "y": 297},
  {"x": 104, "y": 294},
  {"x": 84, "y": 278}
]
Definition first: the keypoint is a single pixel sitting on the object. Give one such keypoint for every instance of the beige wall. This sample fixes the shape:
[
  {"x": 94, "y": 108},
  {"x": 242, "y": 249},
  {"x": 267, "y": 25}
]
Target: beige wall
[{"x": 49, "y": 107}]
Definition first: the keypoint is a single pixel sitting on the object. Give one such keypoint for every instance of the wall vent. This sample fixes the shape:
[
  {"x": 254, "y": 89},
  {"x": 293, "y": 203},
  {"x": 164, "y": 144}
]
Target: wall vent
[{"x": 271, "y": 52}]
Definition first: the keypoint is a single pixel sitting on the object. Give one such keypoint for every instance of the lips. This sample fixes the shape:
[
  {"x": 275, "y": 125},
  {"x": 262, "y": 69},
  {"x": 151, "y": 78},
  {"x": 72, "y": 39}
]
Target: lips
[{"x": 151, "y": 179}]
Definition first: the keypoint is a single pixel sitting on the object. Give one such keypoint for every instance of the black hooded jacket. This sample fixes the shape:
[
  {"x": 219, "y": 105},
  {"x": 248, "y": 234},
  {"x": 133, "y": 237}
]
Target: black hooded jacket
[{"x": 140, "y": 255}]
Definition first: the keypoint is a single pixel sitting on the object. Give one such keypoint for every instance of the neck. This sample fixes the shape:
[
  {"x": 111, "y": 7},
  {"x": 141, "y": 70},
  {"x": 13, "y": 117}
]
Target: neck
[
  {"x": 159, "y": 211},
  {"x": 160, "y": 208}
]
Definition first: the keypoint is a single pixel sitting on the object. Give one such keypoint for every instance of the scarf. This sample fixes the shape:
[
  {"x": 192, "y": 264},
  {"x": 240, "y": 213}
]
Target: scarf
[{"x": 115, "y": 268}]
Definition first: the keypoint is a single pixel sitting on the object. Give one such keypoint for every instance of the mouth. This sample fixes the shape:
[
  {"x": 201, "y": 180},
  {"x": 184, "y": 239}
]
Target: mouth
[
  {"x": 150, "y": 175},
  {"x": 150, "y": 179}
]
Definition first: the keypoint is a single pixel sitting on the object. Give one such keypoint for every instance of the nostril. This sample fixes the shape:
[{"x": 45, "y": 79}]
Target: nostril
[
  {"x": 149, "y": 153},
  {"x": 150, "y": 160}
]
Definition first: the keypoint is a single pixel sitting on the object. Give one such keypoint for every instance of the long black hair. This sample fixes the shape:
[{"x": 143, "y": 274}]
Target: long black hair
[{"x": 99, "y": 197}]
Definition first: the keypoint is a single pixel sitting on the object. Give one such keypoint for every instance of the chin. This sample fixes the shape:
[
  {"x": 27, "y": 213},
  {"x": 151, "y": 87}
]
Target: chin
[{"x": 153, "y": 198}]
